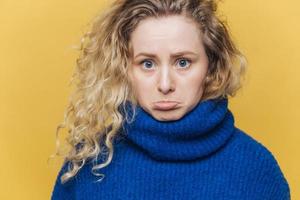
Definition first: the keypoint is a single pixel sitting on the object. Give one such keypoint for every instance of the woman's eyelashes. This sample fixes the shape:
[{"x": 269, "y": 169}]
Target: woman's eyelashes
[{"x": 182, "y": 63}]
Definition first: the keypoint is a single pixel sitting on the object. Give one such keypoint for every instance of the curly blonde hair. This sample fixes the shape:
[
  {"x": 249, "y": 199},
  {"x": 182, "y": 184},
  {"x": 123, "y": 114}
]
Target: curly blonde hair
[{"x": 92, "y": 117}]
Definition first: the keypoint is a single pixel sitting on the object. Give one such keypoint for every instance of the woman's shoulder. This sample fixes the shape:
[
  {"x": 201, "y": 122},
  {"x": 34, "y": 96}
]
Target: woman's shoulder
[
  {"x": 63, "y": 190},
  {"x": 257, "y": 160},
  {"x": 251, "y": 148},
  {"x": 245, "y": 143}
]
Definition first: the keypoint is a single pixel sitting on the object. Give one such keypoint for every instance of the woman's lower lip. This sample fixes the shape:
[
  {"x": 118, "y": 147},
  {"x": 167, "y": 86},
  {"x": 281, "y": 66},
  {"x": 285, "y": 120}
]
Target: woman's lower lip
[{"x": 165, "y": 105}]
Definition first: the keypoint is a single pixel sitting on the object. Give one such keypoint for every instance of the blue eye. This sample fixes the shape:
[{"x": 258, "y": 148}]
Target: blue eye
[
  {"x": 148, "y": 64},
  {"x": 184, "y": 62}
]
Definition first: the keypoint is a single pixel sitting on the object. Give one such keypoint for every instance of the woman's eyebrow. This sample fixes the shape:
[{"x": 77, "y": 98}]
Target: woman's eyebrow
[{"x": 181, "y": 53}]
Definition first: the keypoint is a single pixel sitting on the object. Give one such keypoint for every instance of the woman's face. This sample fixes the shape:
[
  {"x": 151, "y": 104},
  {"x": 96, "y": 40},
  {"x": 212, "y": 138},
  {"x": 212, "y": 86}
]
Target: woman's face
[{"x": 169, "y": 63}]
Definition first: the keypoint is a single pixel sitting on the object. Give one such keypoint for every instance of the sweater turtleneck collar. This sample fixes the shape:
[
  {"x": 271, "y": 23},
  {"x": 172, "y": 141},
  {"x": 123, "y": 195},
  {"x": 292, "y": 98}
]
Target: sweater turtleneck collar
[{"x": 198, "y": 133}]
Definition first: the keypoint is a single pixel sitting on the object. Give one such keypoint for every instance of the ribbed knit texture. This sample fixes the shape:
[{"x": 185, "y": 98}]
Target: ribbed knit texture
[{"x": 200, "y": 156}]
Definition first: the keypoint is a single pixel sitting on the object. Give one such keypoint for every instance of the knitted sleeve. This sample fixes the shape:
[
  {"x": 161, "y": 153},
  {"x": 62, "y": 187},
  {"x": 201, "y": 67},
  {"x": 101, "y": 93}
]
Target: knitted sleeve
[
  {"x": 273, "y": 183},
  {"x": 64, "y": 191}
]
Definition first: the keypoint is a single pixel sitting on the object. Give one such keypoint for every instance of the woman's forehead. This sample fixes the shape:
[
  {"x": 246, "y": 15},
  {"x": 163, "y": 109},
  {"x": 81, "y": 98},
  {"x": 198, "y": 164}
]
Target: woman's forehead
[
  {"x": 169, "y": 33},
  {"x": 171, "y": 27}
]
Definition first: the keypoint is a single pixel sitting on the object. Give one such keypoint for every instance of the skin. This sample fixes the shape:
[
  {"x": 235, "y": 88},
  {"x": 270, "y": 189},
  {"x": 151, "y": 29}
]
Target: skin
[{"x": 163, "y": 77}]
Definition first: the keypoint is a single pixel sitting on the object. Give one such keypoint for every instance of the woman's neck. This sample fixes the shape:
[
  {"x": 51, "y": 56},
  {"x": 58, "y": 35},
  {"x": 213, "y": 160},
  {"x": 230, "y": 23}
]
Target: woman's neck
[{"x": 200, "y": 132}]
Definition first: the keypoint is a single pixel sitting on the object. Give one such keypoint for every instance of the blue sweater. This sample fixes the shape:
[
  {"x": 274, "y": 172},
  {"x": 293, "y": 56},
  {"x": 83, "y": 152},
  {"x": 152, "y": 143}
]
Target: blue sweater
[{"x": 200, "y": 156}]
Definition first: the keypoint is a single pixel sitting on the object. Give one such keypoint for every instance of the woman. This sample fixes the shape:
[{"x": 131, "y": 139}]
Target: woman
[{"x": 150, "y": 111}]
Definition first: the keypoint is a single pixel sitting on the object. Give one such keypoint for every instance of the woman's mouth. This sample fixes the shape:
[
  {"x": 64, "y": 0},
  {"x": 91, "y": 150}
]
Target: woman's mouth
[{"x": 165, "y": 105}]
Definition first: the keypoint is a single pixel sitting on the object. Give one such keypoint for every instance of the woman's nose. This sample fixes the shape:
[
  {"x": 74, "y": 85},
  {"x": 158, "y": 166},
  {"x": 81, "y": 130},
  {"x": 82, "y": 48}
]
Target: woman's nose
[{"x": 166, "y": 83}]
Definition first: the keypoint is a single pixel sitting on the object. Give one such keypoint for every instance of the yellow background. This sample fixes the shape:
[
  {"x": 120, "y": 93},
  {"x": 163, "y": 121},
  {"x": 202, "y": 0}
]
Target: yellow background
[{"x": 37, "y": 61}]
